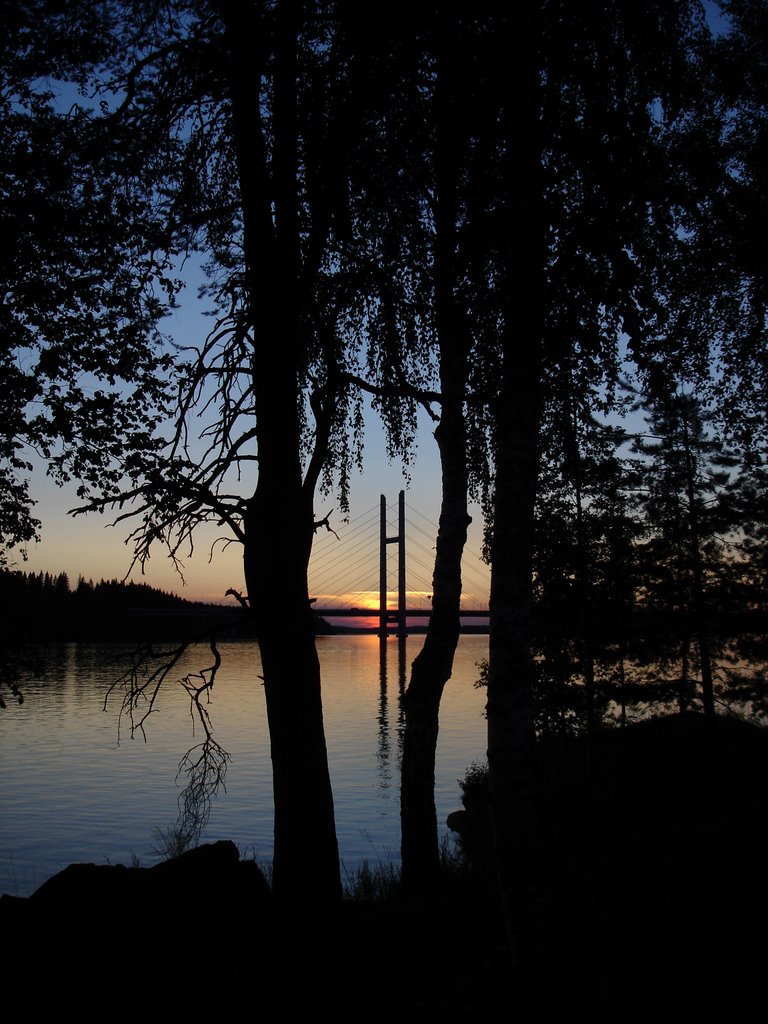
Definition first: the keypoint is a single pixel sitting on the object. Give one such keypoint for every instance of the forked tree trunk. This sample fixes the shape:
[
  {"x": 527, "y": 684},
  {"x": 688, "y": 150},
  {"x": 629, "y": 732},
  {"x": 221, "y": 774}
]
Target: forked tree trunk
[{"x": 279, "y": 523}]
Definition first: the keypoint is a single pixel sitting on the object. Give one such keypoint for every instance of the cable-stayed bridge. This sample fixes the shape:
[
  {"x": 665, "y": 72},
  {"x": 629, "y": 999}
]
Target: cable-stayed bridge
[{"x": 378, "y": 569}]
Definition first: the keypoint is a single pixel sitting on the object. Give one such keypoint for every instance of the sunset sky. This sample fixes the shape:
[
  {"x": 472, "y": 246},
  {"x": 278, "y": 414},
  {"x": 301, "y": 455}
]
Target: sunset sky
[{"x": 90, "y": 546}]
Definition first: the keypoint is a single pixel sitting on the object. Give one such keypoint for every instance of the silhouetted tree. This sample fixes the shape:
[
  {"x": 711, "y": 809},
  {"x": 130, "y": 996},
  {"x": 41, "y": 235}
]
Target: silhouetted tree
[
  {"x": 420, "y": 226},
  {"x": 615, "y": 221},
  {"x": 81, "y": 298},
  {"x": 584, "y": 578},
  {"x": 226, "y": 129},
  {"x": 685, "y": 476},
  {"x": 594, "y": 203},
  {"x": 452, "y": 70}
]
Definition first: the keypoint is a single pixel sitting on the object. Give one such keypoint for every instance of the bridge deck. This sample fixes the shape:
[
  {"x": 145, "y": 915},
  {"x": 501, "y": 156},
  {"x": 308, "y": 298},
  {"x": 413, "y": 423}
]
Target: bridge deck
[{"x": 373, "y": 613}]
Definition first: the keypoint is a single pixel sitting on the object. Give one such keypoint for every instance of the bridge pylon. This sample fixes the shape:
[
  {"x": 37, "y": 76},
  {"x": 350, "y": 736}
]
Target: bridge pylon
[{"x": 385, "y": 617}]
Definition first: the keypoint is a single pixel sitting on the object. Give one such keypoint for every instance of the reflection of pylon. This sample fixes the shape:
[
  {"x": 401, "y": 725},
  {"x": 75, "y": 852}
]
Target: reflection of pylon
[{"x": 384, "y": 614}]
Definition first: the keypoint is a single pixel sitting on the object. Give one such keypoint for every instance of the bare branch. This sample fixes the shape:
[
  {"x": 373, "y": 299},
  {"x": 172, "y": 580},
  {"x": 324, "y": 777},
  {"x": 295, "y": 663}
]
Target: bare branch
[
  {"x": 326, "y": 523},
  {"x": 205, "y": 764},
  {"x": 424, "y": 398},
  {"x": 238, "y": 597}
]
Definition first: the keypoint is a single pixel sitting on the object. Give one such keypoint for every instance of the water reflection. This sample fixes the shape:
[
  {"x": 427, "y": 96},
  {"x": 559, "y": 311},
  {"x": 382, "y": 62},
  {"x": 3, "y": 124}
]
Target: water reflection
[
  {"x": 401, "y": 666},
  {"x": 385, "y": 731},
  {"x": 384, "y": 747},
  {"x": 71, "y": 793}
]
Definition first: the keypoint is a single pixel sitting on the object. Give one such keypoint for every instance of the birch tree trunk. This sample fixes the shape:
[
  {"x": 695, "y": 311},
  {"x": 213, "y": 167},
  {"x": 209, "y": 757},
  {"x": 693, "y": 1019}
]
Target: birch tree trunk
[{"x": 432, "y": 667}]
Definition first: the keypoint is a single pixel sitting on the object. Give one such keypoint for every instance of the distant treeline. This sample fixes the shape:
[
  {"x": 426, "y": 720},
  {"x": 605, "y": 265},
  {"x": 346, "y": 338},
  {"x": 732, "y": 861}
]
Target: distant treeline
[
  {"x": 44, "y": 588},
  {"x": 45, "y": 606}
]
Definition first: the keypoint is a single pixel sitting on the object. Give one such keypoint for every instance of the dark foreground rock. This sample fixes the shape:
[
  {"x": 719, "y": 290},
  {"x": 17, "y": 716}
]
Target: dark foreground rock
[
  {"x": 654, "y": 908},
  {"x": 95, "y": 935},
  {"x": 653, "y": 893}
]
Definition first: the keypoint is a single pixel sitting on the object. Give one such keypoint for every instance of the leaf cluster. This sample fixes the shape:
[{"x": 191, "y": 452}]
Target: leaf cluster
[{"x": 385, "y": 177}]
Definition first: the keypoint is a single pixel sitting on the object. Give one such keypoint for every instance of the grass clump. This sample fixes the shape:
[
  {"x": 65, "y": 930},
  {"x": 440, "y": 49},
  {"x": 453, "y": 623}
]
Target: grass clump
[
  {"x": 366, "y": 884},
  {"x": 382, "y": 881},
  {"x": 172, "y": 841}
]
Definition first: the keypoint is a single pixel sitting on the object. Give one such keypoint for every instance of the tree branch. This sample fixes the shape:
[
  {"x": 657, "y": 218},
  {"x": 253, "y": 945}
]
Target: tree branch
[{"x": 424, "y": 398}]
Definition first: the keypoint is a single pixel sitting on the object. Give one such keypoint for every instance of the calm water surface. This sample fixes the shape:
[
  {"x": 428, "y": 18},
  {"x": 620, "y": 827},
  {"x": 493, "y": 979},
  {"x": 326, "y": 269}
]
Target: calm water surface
[{"x": 72, "y": 792}]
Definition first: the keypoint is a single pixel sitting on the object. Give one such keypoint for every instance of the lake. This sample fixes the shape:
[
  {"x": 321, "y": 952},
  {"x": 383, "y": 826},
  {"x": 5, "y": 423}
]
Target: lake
[{"x": 73, "y": 790}]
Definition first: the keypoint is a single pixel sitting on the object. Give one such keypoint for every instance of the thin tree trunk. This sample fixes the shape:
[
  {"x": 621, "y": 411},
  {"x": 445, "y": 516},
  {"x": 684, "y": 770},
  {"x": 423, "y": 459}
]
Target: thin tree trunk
[
  {"x": 683, "y": 694},
  {"x": 584, "y": 591},
  {"x": 622, "y": 681},
  {"x": 699, "y": 601},
  {"x": 433, "y": 666}
]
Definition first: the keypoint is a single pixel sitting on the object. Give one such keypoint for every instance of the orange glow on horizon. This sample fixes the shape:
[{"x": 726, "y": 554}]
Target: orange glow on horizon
[{"x": 368, "y": 600}]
